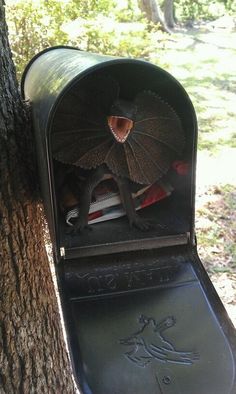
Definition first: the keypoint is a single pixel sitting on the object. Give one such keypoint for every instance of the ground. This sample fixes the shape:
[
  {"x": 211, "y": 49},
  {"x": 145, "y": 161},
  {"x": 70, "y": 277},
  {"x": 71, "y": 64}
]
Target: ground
[
  {"x": 216, "y": 223},
  {"x": 203, "y": 60}
]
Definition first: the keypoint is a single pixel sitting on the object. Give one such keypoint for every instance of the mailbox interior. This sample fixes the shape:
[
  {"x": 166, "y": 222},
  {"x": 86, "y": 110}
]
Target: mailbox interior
[{"x": 174, "y": 215}]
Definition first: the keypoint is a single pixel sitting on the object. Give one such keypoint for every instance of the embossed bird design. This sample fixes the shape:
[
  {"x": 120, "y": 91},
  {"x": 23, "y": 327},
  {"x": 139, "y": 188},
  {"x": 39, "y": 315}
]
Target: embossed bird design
[{"x": 149, "y": 344}]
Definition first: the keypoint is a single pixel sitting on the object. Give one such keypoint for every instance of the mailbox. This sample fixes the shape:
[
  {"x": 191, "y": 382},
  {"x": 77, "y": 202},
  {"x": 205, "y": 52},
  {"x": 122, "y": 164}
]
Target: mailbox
[{"x": 141, "y": 314}]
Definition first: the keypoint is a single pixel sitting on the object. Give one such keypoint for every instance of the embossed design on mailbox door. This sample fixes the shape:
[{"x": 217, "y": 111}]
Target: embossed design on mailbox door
[{"x": 149, "y": 344}]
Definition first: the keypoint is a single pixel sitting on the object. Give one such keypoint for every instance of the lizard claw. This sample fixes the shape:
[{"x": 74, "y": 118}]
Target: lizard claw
[
  {"x": 140, "y": 223},
  {"x": 79, "y": 227}
]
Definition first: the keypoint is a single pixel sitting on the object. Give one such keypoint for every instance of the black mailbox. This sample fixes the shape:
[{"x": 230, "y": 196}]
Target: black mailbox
[{"x": 141, "y": 314}]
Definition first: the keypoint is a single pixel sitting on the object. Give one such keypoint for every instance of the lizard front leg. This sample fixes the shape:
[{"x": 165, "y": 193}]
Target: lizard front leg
[
  {"x": 126, "y": 198},
  {"x": 91, "y": 182}
]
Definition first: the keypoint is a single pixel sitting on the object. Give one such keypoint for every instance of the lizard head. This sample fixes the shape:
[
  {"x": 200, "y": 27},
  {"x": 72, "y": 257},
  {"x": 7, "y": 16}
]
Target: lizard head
[{"x": 121, "y": 119}]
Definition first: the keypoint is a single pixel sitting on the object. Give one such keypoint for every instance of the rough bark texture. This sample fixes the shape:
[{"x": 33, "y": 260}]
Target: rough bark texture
[{"x": 33, "y": 358}]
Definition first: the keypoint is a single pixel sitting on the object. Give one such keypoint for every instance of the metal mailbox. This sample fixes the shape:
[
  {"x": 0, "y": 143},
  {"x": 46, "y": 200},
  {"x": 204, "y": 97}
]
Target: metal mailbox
[{"x": 141, "y": 314}]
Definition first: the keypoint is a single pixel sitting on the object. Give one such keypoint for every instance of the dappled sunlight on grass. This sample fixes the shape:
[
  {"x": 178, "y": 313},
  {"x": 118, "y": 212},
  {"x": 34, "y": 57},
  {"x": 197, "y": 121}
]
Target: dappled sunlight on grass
[
  {"x": 205, "y": 65},
  {"x": 216, "y": 235},
  {"x": 216, "y": 229},
  {"x": 218, "y": 169},
  {"x": 204, "y": 62}
]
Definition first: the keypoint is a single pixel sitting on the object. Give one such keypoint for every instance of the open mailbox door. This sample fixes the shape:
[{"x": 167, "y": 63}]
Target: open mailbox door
[{"x": 141, "y": 314}]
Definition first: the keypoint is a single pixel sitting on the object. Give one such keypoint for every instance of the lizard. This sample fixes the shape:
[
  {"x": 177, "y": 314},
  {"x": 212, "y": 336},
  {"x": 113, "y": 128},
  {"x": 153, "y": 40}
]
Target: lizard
[{"x": 133, "y": 140}]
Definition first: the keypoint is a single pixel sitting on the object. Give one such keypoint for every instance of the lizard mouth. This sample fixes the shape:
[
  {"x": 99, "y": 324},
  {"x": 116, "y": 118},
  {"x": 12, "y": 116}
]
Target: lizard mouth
[{"x": 120, "y": 127}]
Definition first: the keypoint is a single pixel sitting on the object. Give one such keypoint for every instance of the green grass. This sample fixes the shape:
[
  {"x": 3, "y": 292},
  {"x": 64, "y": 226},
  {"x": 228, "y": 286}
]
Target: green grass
[{"x": 204, "y": 62}]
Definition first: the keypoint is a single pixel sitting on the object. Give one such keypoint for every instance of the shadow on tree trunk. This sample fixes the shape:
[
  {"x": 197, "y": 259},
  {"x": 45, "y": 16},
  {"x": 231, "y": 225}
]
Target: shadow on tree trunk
[
  {"x": 34, "y": 357},
  {"x": 154, "y": 14}
]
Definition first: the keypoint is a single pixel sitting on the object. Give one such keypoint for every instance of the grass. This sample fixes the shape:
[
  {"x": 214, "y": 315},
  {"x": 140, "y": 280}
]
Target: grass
[
  {"x": 204, "y": 63},
  {"x": 216, "y": 224}
]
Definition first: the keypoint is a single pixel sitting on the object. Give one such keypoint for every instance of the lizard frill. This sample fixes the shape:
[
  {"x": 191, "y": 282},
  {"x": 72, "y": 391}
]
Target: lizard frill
[{"x": 81, "y": 134}]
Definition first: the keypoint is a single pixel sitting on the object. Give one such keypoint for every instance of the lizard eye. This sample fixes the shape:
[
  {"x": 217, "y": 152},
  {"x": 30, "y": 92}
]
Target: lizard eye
[{"x": 120, "y": 127}]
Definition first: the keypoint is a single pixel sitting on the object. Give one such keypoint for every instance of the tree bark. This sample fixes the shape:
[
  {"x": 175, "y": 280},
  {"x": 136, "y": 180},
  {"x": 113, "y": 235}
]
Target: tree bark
[
  {"x": 169, "y": 13},
  {"x": 33, "y": 357},
  {"x": 153, "y": 13},
  {"x": 152, "y": 10}
]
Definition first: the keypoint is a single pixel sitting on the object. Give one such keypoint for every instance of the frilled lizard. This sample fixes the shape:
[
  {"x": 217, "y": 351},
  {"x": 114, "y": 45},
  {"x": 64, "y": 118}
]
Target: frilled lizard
[{"x": 134, "y": 140}]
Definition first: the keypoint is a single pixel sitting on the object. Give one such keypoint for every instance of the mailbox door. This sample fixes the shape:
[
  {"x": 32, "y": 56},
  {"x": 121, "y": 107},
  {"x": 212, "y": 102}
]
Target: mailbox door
[{"x": 148, "y": 322}]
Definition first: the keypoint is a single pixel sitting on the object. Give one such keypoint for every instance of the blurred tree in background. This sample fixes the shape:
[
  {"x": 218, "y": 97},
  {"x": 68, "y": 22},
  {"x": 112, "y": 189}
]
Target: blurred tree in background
[{"x": 124, "y": 28}]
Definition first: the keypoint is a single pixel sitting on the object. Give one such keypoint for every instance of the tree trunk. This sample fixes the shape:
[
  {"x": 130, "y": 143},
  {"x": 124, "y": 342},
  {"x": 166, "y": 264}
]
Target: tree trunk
[
  {"x": 152, "y": 10},
  {"x": 153, "y": 13},
  {"x": 169, "y": 13},
  {"x": 33, "y": 356}
]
